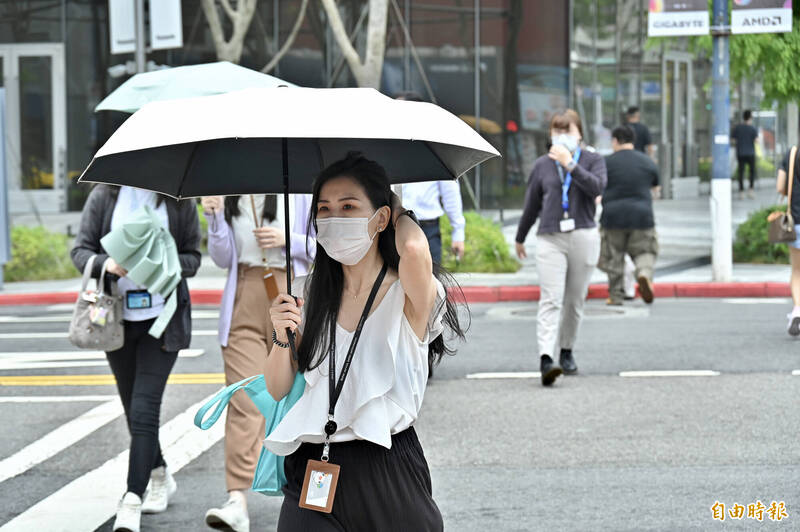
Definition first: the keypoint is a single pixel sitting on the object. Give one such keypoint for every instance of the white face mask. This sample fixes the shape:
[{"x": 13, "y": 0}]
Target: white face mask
[
  {"x": 570, "y": 142},
  {"x": 345, "y": 240}
]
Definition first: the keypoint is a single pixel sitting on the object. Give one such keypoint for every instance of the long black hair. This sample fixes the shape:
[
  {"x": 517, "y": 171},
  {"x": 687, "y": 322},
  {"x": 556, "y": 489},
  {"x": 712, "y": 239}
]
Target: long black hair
[
  {"x": 232, "y": 209},
  {"x": 326, "y": 281}
]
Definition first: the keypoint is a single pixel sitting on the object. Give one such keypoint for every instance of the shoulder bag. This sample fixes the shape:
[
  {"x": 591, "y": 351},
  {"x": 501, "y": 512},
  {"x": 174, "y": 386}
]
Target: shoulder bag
[
  {"x": 97, "y": 319},
  {"x": 781, "y": 224}
]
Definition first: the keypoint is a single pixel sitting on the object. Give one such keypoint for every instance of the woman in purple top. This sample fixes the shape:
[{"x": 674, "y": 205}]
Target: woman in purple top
[
  {"x": 562, "y": 192},
  {"x": 244, "y": 243}
]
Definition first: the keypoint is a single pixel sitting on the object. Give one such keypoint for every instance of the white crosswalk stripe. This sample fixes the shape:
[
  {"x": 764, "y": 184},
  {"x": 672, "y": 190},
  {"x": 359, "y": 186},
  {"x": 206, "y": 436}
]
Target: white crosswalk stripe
[
  {"x": 21, "y": 360},
  {"x": 90, "y": 500}
]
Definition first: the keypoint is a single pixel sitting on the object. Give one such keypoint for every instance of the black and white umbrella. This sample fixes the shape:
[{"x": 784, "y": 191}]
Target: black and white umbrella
[{"x": 277, "y": 140}]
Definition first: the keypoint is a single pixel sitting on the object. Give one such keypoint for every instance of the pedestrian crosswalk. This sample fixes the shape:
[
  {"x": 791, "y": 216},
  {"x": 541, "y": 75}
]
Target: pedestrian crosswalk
[
  {"x": 90, "y": 500},
  {"x": 44, "y": 375}
]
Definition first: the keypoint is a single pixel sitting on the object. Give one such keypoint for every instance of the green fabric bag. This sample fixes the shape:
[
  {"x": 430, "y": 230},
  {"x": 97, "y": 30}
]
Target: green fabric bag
[{"x": 146, "y": 249}]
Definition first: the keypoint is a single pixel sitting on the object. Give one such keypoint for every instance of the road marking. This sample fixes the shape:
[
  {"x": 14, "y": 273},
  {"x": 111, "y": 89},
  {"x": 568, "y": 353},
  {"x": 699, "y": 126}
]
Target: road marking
[
  {"x": 506, "y": 375},
  {"x": 22, "y": 360},
  {"x": 671, "y": 373},
  {"x": 66, "y": 318},
  {"x": 51, "y": 335},
  {"x": 756, "y": 300},
  {"x": 56, "y": 398},
  {"x": 59, "y": 439},
  {"x": 103, "y": 379},
  {"x": 90, "y": 500},
  {"x": 796, "y": 373}
]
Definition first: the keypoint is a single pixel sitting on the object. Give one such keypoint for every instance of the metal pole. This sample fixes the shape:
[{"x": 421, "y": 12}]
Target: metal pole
[
  {"x": 570, "y": 42},
  {"x": 721, "y": 251},
  {"x": 5, "y": 227},
  {"x": 676, "y": 119},
  {"x": 478, "y": 93},
  {"x": 140, "y": 54},
  {"x": 407, "y": 49},
  {"x": 276, "y": 30}
]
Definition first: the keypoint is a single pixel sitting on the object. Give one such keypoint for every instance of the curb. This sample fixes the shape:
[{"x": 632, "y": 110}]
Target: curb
[{"x": 479, "y": 294}]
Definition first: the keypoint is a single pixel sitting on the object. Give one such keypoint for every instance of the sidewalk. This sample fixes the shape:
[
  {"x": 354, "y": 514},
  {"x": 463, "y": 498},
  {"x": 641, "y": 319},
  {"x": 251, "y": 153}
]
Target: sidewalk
[{"x": 683, "y": 268}]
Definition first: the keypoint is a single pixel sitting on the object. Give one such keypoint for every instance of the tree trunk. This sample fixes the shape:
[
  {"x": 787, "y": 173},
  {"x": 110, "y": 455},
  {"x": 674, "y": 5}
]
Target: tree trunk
[
  {"x": 229, "y": 50},
  {"x": 367, "y": 73},
  {"x": 289, "y": 40}
]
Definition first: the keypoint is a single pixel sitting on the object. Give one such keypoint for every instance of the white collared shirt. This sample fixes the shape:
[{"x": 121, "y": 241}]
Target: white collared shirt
[{"x": 431, "y": 199}]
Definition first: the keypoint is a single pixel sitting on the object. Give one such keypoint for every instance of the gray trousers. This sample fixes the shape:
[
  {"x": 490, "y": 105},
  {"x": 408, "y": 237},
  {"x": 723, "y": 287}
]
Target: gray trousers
[{"x": 565, "y": 262}]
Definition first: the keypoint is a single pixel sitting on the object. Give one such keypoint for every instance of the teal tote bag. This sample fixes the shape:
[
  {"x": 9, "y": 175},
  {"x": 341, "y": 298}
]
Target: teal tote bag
[{"x": 269, "y": 475}]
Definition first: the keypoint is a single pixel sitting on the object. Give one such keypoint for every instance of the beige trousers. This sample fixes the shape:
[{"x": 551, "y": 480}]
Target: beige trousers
[
  {"x": 565, "y": 262},
  {"x": 249, "y": 344}
]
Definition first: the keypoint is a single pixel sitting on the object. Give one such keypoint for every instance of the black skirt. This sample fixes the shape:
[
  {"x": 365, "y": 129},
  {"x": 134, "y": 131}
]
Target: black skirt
[{"x": 383, "y": 490}]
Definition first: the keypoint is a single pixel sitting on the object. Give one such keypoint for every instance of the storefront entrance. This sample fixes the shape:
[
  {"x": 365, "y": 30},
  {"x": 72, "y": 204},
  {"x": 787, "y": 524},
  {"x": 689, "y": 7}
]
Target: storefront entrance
[{"x": 35, "y": 129}]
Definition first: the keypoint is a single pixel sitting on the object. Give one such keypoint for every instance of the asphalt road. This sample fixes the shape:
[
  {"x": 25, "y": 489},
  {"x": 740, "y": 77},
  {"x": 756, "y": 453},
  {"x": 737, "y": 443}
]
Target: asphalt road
[{"x": 598, "y": 451}]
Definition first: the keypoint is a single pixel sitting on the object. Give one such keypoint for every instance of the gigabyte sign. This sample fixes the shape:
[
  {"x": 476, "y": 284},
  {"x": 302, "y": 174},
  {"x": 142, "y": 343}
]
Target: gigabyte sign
[
  {"x": 677, "y": 24},
  {"x": 666, "y": 24}
]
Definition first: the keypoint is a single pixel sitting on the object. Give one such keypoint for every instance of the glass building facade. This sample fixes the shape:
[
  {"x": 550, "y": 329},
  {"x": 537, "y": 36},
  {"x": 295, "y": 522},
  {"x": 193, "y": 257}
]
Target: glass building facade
[{"x": 533, "y": 57}]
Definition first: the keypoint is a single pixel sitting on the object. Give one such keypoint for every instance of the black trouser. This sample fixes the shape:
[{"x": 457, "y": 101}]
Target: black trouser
[
  {"x": 434, "y": 234},
  {"x": 141, "y": 368},
  {"x": 385, "y": 490},
  {"x": 747, "y": 160}
]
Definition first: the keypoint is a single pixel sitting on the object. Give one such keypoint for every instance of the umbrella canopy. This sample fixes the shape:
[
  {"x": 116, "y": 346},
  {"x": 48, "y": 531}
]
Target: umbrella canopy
[
  {"x": 185, "y": 82},
  {"x": 233, "y": 143}
]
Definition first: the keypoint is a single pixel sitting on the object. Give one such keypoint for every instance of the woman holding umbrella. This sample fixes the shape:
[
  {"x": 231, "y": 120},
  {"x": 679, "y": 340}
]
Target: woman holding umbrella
[
  {"x": 372, "y": 313},
  {"x": 250, "y": 246}
]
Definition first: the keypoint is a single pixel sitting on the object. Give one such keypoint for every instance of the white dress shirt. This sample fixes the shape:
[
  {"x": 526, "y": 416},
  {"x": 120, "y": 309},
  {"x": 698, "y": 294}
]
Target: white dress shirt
[
  {"x": 129, "y": 201},
  {"x": 427, "y": 199}
]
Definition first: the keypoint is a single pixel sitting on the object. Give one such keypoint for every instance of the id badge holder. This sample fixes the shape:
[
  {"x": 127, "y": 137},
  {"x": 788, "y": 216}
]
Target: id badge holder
[
  {"x": 319, "y": 486},
  {"x": 138, "y": 299},
  {"x": 567, "y": 225}
]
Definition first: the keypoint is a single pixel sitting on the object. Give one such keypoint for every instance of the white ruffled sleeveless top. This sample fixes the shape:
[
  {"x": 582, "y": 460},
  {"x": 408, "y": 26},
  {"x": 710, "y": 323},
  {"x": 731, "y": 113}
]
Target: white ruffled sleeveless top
[{"x": 383, "y": 392}]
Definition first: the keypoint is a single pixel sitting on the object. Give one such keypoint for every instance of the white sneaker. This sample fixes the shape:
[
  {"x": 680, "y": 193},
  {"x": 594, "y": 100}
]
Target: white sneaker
[
  {"x": 129, "y": 514},
  {"x": 232, "y": 516},
  {"x": 161, "y": 488}
]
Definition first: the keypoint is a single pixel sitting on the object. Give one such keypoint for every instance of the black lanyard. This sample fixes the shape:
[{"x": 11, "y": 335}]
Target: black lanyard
[{"x": 335, "y": 388}]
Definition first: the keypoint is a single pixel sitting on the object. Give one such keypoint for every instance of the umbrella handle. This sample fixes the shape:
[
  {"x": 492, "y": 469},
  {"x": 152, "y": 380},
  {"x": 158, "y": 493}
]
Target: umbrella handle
[{"x": 288, "y": 239}]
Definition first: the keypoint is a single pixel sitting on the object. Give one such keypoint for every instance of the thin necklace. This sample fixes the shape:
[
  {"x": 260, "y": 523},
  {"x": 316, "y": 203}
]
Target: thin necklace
[{"x": 355, "y": 296}]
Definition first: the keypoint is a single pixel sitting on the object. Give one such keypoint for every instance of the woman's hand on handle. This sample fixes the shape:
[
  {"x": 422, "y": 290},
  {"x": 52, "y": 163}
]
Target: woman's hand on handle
[
  {"x": 280, "y": 369},
  {"x": 212, "y": 204},
  {"x": 286, "y": 314}
]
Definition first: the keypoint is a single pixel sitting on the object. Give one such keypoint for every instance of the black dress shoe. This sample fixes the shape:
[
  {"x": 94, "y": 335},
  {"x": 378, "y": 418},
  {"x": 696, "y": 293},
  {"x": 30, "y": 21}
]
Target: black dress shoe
[
  {"x": 550, "y": 370},
  {"x": 567, "y": 362}
]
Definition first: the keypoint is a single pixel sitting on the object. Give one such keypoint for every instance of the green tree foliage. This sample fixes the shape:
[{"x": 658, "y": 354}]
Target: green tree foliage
[{"x": 771, "y": 58}]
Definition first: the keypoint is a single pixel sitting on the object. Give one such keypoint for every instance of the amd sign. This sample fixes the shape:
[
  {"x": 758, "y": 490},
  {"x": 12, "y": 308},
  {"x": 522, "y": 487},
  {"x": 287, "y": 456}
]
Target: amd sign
[{"x": 761, "y": 16}]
